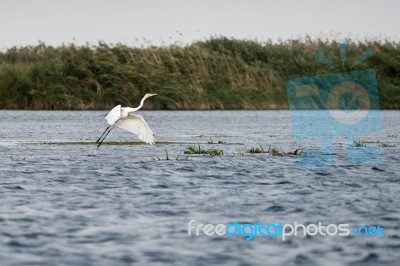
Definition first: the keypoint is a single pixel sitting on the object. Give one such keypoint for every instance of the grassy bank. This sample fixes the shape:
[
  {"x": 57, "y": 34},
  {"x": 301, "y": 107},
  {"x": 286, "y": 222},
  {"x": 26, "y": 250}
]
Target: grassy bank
[{"x": 219, "y": 73}]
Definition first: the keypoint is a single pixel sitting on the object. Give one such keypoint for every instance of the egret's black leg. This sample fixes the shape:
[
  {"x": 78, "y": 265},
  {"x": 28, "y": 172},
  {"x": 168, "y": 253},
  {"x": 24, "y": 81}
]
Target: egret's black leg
[
  {"x": 103, "y": 134},
  {"x": 104, "y": 137}
]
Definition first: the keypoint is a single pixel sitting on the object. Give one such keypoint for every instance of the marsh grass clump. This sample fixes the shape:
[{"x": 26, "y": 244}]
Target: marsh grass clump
[
  {"x": 296, "y": 152},
  {"x": 193, "y": 150},
  {"x": 359, "y": 143},
  {"x": 380, "y": 144},
  {"x": 370, "y": 141},
  {"x": 214, "y": 152},
  {"x": 276, "y": 151},
  {"x": 279, "y": 152},
  {"x": 273, "y": 151},
  {"x": 256, "y": 150},
  {"x": 386, "y": 145},
  {"x": 199, "y": 150}
]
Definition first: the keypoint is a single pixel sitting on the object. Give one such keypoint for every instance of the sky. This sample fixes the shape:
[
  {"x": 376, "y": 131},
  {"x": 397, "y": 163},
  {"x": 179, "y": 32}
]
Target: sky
[{"x": 162, "y": 22}]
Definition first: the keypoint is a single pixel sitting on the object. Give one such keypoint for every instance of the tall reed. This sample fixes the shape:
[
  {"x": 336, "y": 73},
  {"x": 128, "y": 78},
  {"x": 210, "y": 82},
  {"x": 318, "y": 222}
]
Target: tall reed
[{"x": 218, "y": 73}]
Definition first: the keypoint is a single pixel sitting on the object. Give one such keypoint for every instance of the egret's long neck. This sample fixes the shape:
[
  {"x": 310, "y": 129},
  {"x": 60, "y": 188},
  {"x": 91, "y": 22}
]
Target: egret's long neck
[{"x": 140, "y": 105}]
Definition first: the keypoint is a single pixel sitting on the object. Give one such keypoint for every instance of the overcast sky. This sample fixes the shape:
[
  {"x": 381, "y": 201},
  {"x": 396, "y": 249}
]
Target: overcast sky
[{"x": 24, "y": 22}]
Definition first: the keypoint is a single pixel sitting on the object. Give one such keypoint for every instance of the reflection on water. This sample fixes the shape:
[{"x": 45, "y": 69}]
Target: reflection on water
[{"x": 75, "y": 204}]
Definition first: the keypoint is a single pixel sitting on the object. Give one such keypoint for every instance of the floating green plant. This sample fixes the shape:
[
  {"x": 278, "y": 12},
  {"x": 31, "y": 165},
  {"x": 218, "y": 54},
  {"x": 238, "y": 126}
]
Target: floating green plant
[
  {"x": 199, "y": 150},
  {"x": 362, "y": 143},
  {"x": 256, "y": 149},
  {"x": 359, "y": 143},
  {"x": 276, "y": 151},
  {"x": 386, "y": 145},
  {"x": 295, "y": 152},
  {"x": 273, "y": 151}
]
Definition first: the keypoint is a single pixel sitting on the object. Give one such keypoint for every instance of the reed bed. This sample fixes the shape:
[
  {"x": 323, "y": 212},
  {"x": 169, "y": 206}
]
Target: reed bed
[{"x": 218, "y": 73}]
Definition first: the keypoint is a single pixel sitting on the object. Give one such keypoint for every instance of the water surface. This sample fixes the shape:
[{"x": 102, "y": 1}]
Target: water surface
[{"x": 63, "y": 201}]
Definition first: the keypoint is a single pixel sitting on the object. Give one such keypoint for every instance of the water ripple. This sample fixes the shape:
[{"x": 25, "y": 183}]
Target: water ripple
[{"x": 117, "y": 205}]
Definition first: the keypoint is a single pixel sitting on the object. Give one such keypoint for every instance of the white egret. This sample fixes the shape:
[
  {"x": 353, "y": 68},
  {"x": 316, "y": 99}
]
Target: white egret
[{"x": 121, "y": 117}]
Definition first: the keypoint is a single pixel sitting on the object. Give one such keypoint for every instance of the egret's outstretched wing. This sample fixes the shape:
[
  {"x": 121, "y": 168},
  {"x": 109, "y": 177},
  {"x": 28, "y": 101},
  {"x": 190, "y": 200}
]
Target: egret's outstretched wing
[
  {"x": 137, "y": 125},
  {"x": 114, "y": 115}
]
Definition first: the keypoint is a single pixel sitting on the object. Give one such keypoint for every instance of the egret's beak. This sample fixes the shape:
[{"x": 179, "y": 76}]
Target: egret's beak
[{"x": 153, "y": 94}]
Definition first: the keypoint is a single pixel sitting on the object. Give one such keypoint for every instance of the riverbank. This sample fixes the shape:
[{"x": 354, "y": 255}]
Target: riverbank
[{"x": 219, "y": 73}]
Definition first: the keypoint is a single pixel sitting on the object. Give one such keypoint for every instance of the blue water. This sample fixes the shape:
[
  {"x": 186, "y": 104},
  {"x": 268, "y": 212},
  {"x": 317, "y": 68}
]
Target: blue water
[{"x": 64, "y": 202}]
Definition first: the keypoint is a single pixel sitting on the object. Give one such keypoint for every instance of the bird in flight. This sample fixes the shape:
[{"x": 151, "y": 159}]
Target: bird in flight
[{"x": 121, "y": 117}]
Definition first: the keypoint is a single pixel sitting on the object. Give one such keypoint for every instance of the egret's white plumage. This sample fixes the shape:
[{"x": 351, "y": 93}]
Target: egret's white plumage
[
  {"x": 137, "y": 125},
  {"x": 114, "y": 115},
  {"x": 121, "y": 117}
]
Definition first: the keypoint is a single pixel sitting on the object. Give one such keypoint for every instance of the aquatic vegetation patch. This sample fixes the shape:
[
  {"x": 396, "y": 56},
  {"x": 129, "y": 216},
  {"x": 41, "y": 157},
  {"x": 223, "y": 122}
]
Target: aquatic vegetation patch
[
  {"x": 359, "y": 143},
  {"x": 273, "y": 151},
  {"x": 386, "y": 145},
  {"x": 362, "y": 143},
  {"x": 199, "y": 150},
  {"x": 256, "y": 150}
]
